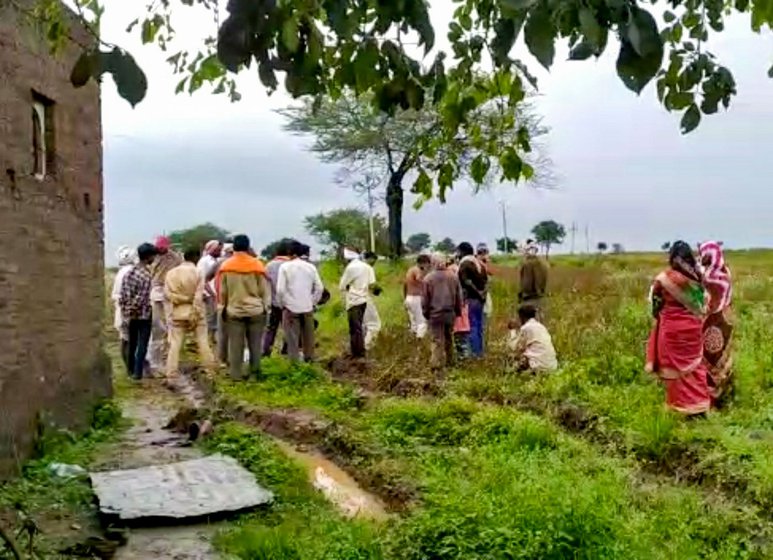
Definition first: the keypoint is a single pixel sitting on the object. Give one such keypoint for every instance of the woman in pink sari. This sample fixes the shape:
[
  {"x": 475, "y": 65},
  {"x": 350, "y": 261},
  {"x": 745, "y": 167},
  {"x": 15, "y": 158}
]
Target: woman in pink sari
[
  {"x": 718, "y": 325},
  {"x": 675, "y": 348}
]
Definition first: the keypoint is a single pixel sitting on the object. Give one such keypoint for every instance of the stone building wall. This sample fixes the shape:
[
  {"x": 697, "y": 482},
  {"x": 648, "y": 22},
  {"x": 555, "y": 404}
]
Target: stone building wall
[{"x": 52, "y": 364}]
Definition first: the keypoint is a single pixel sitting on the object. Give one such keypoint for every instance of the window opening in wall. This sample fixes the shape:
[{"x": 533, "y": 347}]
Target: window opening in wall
[
  {"x": 39, "y": 139},
  {"x": 87, "y": 201},
  {"x": 43, "y": 138}
]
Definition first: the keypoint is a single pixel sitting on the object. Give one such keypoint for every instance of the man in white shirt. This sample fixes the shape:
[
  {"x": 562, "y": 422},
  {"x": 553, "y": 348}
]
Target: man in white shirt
[
  {"x": 298, "y": 289},
  {"x": 357, "y": 282},
  {"x": 207, "y": 268},
  {"x": 531, "y": 346}
]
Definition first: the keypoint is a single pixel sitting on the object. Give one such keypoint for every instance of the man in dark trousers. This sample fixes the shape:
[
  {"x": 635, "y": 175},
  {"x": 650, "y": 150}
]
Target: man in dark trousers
[
  {"x": 298, "y": 290},
  {"x": 474, "y": 280},
  {"x": 245, "y": 297},
  {"x": 357, "y": 283},
  {"x": 137, "y": 310},
  {"x": 534, "y": 279},
  {"x": 441, "y": 303},
  {"x": 275, "y": 314}
]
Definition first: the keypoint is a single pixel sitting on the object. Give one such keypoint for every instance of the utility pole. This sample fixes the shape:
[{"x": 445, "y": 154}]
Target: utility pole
[
  {"x": 574, "y": 232},
  {"x": 371, "y": 204},
  {"x": 587, "y": 239},
  {"x": 503, "y": 204}
]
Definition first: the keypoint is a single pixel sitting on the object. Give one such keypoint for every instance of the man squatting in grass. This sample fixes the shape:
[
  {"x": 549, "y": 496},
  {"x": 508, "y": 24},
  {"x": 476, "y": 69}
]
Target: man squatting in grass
[{"x": 531, "y": 346}]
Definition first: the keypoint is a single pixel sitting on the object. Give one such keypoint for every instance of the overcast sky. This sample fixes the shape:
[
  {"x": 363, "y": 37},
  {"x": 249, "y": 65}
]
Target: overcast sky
[{"x": 625, "y": 170}]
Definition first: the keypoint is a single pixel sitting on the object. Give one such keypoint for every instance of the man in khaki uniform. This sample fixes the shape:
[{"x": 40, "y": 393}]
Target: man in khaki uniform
[{"x": 184, "y": 290}]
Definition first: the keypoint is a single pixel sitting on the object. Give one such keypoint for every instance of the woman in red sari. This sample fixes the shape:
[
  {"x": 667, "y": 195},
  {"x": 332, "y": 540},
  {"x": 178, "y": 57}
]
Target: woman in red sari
[
  {"x": 718, "y": 325},
  {"x": 675, "y": 348}
]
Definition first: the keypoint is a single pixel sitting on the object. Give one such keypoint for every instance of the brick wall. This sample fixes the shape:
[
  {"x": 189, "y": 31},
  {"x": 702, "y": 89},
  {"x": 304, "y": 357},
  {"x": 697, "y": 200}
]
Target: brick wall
[{"x": 52, "y": 364}]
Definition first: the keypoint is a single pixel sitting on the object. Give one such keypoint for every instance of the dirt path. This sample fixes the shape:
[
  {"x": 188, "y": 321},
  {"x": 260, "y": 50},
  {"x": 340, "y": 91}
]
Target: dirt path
[{"x": 148, "y": 443}]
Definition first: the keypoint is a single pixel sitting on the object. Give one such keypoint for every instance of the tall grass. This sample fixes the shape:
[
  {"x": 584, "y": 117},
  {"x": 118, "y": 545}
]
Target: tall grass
[{"x": 596, "y": 467}]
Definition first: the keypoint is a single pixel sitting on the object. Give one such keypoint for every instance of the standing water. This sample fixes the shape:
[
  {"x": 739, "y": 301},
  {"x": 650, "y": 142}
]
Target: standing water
[{"x": 336, "y": 485}]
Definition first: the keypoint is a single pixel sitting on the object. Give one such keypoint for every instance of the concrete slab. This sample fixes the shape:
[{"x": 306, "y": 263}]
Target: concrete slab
[{"x": 188, "y": 489}]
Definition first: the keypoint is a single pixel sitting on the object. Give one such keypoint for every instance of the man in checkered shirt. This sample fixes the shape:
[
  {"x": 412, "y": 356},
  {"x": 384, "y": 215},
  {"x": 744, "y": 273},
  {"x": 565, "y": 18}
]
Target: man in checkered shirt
[{"x": 136, "y": 309}]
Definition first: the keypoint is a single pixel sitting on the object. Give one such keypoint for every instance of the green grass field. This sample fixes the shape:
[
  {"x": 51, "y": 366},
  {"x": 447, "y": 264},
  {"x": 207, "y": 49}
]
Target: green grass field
[{"x": 583, "y": 463}]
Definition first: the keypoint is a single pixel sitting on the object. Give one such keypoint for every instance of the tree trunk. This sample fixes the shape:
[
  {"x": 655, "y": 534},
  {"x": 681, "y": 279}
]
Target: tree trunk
[{"x": 394, "y": 201}]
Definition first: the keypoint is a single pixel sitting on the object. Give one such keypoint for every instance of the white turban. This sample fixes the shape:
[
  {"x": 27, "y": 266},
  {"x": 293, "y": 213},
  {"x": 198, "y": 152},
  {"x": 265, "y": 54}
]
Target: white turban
[
  {"x": 350, "y": 255},
  {"x": 530, "y": 248},
  {"x": 126, "y": 256},
  {"x": 211, "y": 246}
]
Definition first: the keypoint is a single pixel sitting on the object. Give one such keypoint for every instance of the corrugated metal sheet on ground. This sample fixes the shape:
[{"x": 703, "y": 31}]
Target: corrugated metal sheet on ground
[{"x": 193, "y": 488}]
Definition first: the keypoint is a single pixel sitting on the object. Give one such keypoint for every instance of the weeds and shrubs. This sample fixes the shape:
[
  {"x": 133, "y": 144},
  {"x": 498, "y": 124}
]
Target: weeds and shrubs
[
  {"x": 296, "y": 385},
  {"x": 44, "y": 496},
  {"x": 596, "y": 468},
  {"x": 106, "y": 416}
]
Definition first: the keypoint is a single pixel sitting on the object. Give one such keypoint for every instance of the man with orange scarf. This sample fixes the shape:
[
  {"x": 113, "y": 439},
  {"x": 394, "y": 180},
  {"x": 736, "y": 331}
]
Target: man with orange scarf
[{"x": 244, "y": 296}]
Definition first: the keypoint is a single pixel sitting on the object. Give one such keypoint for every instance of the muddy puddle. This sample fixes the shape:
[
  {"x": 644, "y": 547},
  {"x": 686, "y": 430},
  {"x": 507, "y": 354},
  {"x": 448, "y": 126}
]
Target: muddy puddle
[{"x": 336, "y": 485}]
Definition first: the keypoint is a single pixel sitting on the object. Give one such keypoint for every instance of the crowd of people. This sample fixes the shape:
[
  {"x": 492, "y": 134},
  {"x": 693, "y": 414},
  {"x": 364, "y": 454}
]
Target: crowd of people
[
  {"x": 226, "y": 296},
  {"x": 229, "y": 297}
]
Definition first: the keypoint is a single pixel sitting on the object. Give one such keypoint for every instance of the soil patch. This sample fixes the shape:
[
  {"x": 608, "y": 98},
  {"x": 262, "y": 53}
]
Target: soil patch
[
  {"x": 297, "y": 426},
  {"x": 357, "y": 371},
  {"x": 576, "y": 418},
  {"x": 372, "y": 379}
]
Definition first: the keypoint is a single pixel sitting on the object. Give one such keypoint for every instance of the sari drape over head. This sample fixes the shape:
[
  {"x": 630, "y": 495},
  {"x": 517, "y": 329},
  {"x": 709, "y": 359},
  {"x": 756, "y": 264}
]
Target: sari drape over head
[
  {"x": 675, "y": 347},
  {"x": 718, "y": 325}
]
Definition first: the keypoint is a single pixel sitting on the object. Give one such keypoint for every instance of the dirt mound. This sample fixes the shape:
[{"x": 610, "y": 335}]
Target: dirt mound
[
  {"x": 356, "y": 370},
  {"x": 373, "y": 379},
  {"x": 575, "y": 418},
  {"x": 417, "y": 387},
  {"x": 298, "y": 426}
]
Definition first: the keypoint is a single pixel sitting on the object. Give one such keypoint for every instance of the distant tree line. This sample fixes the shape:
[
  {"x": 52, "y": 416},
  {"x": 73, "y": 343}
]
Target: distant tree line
[{"x": 350, "y": 227}]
